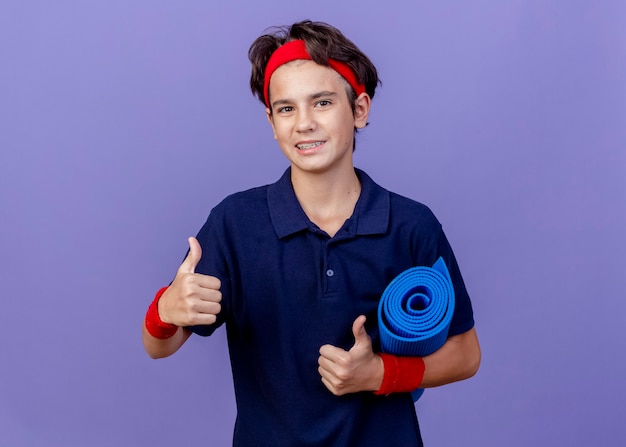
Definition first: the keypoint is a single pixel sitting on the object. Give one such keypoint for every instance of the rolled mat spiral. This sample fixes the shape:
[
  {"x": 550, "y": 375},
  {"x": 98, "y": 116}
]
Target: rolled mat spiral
[{"x": 415, "y": 312}]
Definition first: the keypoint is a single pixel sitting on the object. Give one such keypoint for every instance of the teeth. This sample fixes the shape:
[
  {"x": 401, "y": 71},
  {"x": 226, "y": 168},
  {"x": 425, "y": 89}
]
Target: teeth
[{"x": 308, "y": 146}]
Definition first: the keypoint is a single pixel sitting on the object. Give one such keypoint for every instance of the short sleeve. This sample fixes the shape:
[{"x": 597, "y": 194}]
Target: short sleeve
[{"x": 214, "y": 262}]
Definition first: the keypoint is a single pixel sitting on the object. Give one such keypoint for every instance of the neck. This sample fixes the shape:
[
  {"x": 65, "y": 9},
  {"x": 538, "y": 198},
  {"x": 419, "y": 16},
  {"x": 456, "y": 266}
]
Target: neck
[{"x": 328, "y": 199}]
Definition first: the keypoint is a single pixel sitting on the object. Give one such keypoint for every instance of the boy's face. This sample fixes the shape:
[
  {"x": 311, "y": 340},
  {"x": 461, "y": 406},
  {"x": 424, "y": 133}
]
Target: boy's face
[{"x": 312, "y": 116}]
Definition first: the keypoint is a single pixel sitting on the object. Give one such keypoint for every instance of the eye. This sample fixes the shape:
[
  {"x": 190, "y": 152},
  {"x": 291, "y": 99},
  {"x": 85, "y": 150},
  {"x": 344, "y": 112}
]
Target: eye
[
  {"x": 285, "y": 109},
  {"x": 323, "y": 103}
]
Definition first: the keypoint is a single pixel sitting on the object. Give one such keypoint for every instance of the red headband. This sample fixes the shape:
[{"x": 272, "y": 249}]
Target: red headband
[{"x": 296, "y": 49}]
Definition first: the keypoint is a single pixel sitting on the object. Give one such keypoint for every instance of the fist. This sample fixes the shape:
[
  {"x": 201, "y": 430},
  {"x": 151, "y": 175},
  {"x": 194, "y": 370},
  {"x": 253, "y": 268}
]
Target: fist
[
  {"x": 192, "y": 298},
  {"x": 358, "y": 369}
]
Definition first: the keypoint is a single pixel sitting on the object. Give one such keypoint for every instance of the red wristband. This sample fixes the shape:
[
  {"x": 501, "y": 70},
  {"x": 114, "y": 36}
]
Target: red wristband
[
  {"x": 402, "y": 374},
  {"x": 155, "y": 326}
]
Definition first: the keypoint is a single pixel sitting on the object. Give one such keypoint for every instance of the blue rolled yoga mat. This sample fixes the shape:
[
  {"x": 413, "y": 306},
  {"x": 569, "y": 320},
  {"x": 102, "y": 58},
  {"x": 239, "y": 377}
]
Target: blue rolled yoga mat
[{"x": 415, "y": 312}]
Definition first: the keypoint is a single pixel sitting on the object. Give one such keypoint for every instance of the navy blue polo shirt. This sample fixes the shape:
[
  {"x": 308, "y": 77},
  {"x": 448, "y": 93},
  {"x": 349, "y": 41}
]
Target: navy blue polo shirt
[{"x": 288, "y": 288}]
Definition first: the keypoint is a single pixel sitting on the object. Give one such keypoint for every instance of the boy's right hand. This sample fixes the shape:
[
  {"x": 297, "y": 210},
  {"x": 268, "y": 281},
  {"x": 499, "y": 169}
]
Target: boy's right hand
[{"x": 192, "y": 298}]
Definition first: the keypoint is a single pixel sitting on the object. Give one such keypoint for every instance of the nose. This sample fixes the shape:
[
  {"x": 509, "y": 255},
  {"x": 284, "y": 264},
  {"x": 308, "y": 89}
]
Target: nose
[{"x": 305, "y": 120}]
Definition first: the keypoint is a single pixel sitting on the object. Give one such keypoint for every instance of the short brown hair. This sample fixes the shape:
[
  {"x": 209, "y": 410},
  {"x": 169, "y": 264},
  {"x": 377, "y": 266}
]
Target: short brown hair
[{"x": 323, "y": 42}]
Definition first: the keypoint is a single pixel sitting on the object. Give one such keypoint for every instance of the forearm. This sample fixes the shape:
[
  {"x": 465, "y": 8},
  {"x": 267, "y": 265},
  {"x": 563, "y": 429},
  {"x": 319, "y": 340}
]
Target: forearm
[
  {"x": 159, "y": 348},
  {"x": 457, "y": 359}
]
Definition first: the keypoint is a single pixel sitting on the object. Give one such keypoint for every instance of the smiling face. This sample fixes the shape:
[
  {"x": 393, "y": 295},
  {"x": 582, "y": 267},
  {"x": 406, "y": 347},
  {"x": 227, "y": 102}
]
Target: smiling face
[{"x": 312, "y": 117}]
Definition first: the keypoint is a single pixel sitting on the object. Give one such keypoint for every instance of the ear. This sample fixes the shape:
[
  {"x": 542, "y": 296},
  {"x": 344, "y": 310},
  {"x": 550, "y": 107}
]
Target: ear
[
  {"x": 270, "y": 120},
  {"x": 362, "y": 110}
]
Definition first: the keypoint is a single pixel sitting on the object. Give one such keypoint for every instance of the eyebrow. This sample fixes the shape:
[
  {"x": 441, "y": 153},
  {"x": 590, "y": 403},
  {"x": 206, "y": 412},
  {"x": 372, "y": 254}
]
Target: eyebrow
[{"x": 325, "y": 93}]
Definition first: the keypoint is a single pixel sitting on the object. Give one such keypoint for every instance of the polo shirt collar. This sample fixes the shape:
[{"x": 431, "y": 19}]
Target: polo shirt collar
[{"x": 371, "y": 213}]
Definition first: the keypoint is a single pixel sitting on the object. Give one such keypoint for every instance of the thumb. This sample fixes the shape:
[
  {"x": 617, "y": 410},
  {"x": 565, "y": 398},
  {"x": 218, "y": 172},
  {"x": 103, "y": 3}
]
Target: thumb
[
  {"x": 359, "y": 332},
  {"x": 193, "y": 257}
]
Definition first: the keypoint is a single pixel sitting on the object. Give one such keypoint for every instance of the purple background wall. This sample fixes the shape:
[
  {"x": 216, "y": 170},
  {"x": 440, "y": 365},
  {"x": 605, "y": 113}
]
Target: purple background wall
[{"x": 123, "y": 122}]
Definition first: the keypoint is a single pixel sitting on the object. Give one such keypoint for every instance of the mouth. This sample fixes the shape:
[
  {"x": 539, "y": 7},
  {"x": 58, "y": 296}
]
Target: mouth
[{"x": 308, "y": 146}]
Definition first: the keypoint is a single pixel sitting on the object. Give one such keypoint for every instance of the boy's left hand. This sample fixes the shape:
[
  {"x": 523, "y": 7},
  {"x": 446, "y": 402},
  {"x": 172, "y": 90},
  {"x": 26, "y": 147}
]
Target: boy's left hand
[{"x": 358, "y": 369}]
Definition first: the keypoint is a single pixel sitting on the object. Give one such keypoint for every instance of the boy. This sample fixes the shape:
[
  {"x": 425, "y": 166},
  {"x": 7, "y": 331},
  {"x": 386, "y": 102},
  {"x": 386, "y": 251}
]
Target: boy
[{"x": 296, "y": 269}]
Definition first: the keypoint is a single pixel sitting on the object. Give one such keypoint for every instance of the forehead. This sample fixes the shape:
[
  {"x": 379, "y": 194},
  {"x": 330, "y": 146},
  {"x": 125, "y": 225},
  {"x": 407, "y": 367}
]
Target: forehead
[{"x": 304, "y": 77}]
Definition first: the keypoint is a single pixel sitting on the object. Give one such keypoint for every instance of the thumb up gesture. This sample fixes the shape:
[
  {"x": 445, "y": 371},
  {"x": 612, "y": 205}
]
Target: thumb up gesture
[
  {"x": 192, "y": 298},
  {"x": 358, "y": 369}
]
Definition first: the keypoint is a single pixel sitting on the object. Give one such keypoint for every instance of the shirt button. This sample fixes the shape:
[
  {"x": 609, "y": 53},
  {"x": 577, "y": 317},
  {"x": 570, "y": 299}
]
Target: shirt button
[{"x": 330, "y": 272}]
